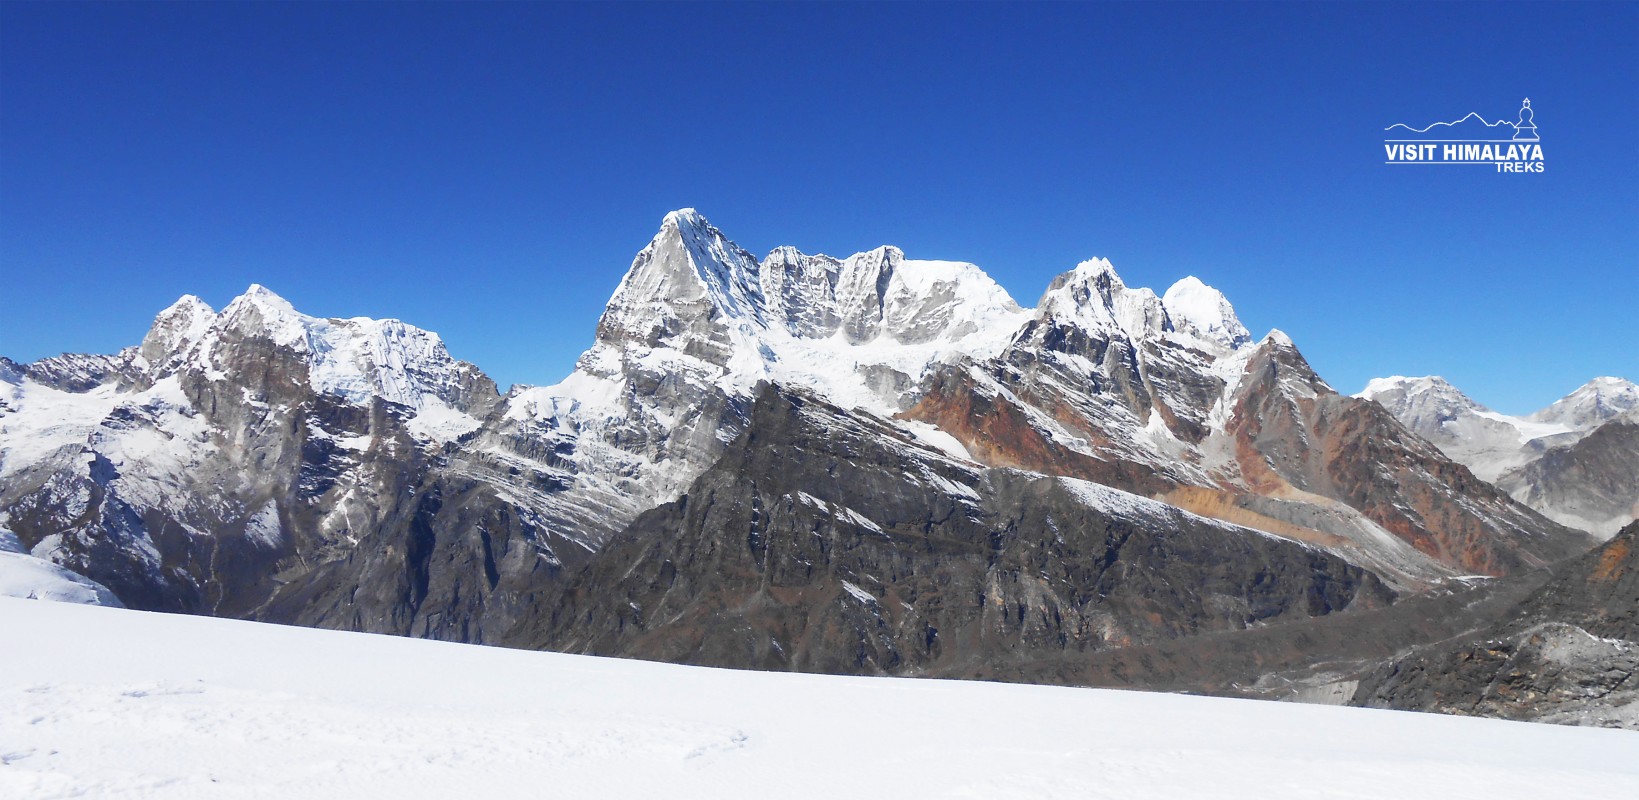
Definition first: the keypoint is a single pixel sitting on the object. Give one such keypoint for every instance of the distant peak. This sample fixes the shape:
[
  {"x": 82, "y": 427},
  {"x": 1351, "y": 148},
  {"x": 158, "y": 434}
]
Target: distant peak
[
  {"x": 1394, "y": 381},
  {"x": 1278, "y": 338},
  {"x": 1199, "y": 310},
  {"x": 1096, "y": 267},
  {"x": 1093, "y": 297},
  {"x": 1593, "y": 402},
  {"x": 684, "y": 218},
  {"x": 189, "y": 305},
  {"x": 1424, "y": 384},
  {"x": 1094, "y": 273},
  {"x": 262, "y": 296}
]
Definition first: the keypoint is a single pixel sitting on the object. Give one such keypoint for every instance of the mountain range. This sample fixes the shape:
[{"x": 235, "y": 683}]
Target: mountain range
[
  {"x": 1576, "y": 461},
  {"x": 862, "y": 465}
]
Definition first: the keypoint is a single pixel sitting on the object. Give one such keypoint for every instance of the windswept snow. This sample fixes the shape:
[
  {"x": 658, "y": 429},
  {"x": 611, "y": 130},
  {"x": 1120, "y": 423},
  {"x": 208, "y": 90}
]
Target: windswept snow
[{"x": 208, "y": 708}]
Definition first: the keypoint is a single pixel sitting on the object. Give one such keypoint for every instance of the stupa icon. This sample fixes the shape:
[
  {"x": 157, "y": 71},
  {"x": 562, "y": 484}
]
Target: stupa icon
[{"x": 1525, "y": 130}]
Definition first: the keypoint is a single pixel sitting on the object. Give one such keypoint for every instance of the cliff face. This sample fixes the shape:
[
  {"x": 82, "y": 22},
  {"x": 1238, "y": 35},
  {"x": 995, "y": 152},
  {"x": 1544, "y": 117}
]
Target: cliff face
[
  {"x": 829, "y": 541},
  {"x": 1294, "y": 436}
]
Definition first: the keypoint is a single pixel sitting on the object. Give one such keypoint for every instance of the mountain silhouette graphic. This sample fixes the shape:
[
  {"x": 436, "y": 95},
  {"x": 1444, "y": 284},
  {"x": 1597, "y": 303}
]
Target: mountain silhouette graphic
[{"x": 1471, "y": 127}]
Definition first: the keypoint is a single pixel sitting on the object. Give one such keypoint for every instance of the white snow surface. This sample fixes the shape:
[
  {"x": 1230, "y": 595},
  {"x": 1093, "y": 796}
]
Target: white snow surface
[
  {"x": 24, "y": 576},
  {"x": 196, "y": 707},
  {"x": 37, "y": 421},
  {"x": 1203, "y": 312}
]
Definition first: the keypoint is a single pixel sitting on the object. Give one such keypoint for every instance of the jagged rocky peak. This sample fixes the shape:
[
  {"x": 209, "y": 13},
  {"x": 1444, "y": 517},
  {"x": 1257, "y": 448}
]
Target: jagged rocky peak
[
  {"x": 74, "y": 372},
  {"x": 175, "y": 330},
  {"x": 685, "y": 287},
  {"x": 356, "y": 359},
  {"x": 693, "y": 290},
  {"x": 1277, "y": 353},
  {"x": 1093, "y": 297},
  {"x": 260, "y": 312},
  {"x": 1595, "y": 402},
  {"x": 861, "y": 289},
  {"x": 1203, "y": 312},
  {"x": 800, "y": 290}
]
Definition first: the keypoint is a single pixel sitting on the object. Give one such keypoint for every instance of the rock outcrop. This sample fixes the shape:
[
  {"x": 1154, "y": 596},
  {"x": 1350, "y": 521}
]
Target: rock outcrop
[{"x": 1568, "y": 653}]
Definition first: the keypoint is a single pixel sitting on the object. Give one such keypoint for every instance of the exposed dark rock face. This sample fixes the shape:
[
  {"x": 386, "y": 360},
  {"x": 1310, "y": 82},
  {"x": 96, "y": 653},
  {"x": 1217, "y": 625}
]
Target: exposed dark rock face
[
  {"x": 1299, "y": 460},
  {"x": 228, "y": 483},
  {"x": 1568, "y": 653},
  {"x": 826, "y": 541},
  {"x": 76, "y": 372}
]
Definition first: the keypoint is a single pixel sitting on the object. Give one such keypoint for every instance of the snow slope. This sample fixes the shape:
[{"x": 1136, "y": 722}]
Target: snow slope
[
  {"x": 23, "y": 575},
  {"x": 198, "y": 707}
]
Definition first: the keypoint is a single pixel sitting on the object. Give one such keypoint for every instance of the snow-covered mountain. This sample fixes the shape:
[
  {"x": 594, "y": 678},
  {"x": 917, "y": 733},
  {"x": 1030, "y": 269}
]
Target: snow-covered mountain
[
  {"x": 1540, "y": 459},
  {"x": 1594, "y": 403},
  {"x": 1489, "y": 443},
  {"x": 187, "y": 472},
  {"x": 350, "y": 473}
]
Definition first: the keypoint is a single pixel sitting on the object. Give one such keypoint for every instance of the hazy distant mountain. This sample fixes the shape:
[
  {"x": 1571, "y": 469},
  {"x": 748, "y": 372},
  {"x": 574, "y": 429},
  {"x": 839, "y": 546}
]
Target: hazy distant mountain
[{"x": 1551, "y": 460}]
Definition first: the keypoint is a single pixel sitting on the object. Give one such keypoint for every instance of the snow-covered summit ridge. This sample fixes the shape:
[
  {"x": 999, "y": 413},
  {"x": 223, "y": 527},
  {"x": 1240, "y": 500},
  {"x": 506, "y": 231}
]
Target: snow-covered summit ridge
[
  {"x": 1094, "y": 298},
  {"x": 1595, "y": 402},
  {"x": 691, "y": 270},
  {"x": 694, "y": 290},
  {"x": 813, "y": 320},
  {"x": 860, "y": 330},
  {"x": 355, "y": 359},
  {"x": 1489, "y": 442},
  {"x": 1402, "y": 389},
  {"x": 1203, "y": 312}
]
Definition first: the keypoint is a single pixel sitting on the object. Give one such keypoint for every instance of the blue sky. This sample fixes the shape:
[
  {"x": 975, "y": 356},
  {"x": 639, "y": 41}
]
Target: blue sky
[{"x": 488, "y": 171}]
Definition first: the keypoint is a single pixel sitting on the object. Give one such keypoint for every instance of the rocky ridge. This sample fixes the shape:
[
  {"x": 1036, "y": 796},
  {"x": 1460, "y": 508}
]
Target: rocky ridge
[{"x": 1000, "y": 487}]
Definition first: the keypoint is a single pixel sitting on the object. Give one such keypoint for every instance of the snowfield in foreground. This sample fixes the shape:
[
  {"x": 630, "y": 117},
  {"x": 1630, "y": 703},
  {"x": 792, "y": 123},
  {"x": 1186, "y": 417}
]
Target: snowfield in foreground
[{"x": 107, "y": 702}]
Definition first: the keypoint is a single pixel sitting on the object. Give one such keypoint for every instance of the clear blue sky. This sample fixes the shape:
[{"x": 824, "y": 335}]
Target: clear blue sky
[{"x": 488, "y": 171}]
